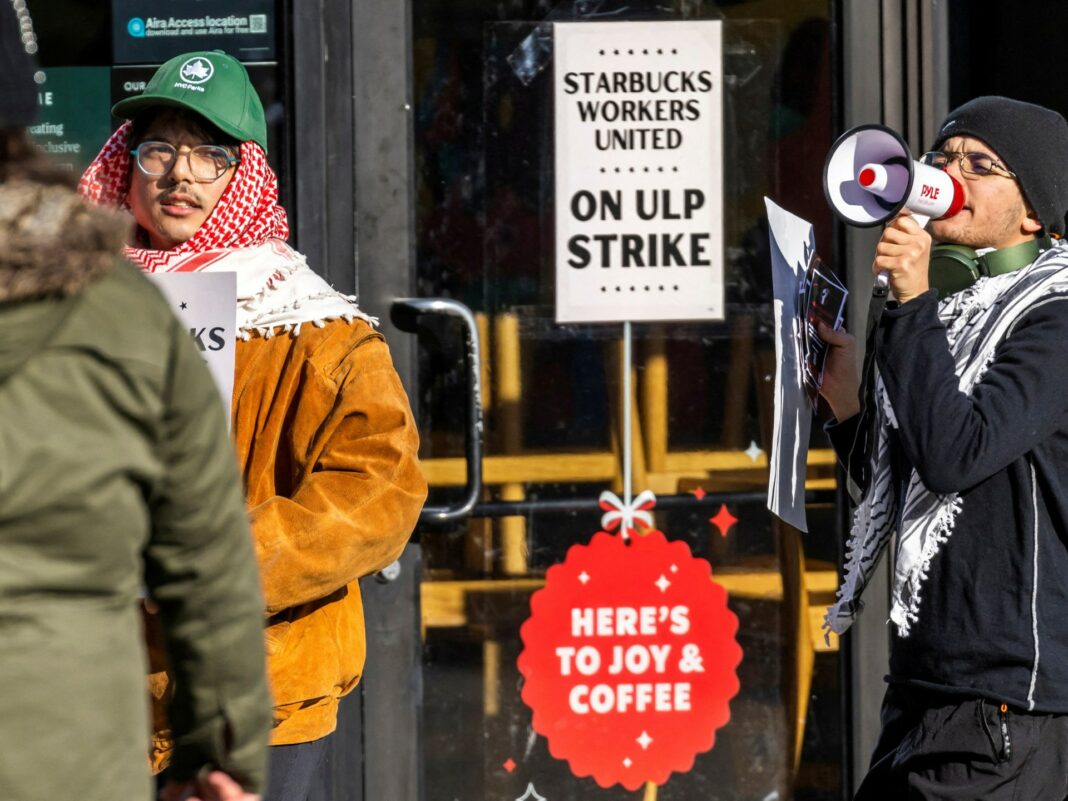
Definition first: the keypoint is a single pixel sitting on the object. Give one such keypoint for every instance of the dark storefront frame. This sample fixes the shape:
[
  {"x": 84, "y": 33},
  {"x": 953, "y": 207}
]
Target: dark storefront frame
[
  {"x": 350, "y": 93},
  {"x": 894, "y": 70},
  {"x": 350, "y": 102},
  {"x": 893, "y": 63}
]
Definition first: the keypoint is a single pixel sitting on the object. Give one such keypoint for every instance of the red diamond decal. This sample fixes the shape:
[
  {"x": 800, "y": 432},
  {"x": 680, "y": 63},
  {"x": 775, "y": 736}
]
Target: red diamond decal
[
  {"x": 698, "y": 493},
  {"x": 723, "y": 520},
  {"x": 509, "y": 766}
]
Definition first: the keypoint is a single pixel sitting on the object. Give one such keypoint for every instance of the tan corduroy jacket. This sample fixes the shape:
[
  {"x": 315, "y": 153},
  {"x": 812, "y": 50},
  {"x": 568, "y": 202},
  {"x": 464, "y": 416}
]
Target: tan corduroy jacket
[{"x": 328, "y": 450}]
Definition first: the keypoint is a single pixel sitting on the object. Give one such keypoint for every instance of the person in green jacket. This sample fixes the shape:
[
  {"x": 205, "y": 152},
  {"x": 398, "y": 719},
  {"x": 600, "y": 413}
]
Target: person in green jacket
[{"x": 117, "y": 481}]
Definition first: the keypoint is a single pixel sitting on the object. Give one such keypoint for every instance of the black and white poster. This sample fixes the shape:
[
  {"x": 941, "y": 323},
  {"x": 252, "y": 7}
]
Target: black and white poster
[
  {"x": 638, "y": 164},
  {"x": 207, "y": 304},
  {"x": 792, "y": 245}
]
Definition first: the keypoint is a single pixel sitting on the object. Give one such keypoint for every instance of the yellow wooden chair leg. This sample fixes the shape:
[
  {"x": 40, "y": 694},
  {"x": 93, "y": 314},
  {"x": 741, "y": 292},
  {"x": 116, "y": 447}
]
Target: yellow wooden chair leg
[
  {"x": 654, "y": 403},
  {"x": 801, "y": 653},
  {"x": 491, "y": 678},
  {"x": 508, "y": 375},
  {"x": 739, "y": 364},
  {"x": 513, "y": 535}
]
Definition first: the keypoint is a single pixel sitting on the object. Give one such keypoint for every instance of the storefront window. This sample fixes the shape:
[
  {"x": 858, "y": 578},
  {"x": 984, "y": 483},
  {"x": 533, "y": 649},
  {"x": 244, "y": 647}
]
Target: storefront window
[
  {"x": 484, "y": 231},
  {"x": 93, "y": 55},
  {"x": 702, "y": 400}
]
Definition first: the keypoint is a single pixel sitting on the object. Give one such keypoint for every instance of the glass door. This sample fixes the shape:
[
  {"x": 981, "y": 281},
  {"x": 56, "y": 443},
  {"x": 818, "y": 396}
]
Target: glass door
[{"x": 552, "y": 394}]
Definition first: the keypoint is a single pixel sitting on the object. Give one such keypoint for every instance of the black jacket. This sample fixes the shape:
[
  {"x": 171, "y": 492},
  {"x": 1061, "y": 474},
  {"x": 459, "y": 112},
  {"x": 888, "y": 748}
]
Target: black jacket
[{"x": 994, "y": 616}]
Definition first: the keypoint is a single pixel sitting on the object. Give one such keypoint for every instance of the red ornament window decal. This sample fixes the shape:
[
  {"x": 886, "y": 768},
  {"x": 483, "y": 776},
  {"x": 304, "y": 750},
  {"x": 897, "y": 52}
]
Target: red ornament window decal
[{"x": 630, "y": 659}]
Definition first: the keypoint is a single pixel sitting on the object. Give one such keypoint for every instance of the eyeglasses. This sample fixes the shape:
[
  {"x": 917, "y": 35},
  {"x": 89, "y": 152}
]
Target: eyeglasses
[
  {"x": 208, "y": 163},
  {"x": 970, "y": 163}
]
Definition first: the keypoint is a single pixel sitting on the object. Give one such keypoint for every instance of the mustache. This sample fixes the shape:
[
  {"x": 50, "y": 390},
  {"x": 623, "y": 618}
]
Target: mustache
[{"x": 180, "y": 194}]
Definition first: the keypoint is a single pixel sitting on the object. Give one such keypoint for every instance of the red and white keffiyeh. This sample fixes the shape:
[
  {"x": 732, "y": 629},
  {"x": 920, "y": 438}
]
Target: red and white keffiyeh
[{"x": 245, "y": 234}]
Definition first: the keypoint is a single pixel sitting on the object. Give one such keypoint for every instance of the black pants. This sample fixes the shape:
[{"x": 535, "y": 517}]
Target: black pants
[
  {"x": 292, "y": 769},
  {"x": 937, "y": 747}
]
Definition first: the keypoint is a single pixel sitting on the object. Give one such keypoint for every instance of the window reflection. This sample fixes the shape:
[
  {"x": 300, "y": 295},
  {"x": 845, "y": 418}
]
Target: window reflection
[{"x": 484, "y": 225}]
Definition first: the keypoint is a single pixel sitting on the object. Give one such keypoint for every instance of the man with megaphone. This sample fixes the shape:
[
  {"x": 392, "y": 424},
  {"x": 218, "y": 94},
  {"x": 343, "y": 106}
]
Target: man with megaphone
[{"x": 967, "y": 473}]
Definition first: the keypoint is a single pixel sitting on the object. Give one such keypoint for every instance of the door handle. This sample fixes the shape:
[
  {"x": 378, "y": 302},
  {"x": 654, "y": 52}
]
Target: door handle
[{"x": 405, "y": 314}]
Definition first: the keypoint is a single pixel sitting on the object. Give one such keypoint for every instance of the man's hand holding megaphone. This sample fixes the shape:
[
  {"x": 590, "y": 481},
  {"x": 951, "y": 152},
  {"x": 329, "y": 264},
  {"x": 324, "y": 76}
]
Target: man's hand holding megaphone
[
  {"x": 870, "y": 179},
  {"x": 904, "y": 255}
]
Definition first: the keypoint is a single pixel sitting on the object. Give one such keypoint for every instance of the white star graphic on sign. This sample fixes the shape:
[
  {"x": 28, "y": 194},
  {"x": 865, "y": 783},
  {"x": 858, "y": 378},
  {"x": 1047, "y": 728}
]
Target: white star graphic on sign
[
  {"x": 531, "y": 794},
  {"x": 663, "y": 583},
  {"x": 627, "y": 763},
  {"x": 674, "y": 568},
  {"x": 583, "y": 576},
  {"x": 644, "y": 740},
  {"x": 753, "y": 451}
]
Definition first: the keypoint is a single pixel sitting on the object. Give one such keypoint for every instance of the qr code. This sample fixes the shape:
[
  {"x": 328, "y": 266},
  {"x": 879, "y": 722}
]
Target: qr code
[{"x": 257, "y": 23}]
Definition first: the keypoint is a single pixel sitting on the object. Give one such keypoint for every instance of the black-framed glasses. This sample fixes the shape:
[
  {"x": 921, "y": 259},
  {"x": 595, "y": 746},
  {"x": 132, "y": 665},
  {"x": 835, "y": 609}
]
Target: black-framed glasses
[
  {"x": 970, "y": 163},
  {"x": 207, "y": 163}
]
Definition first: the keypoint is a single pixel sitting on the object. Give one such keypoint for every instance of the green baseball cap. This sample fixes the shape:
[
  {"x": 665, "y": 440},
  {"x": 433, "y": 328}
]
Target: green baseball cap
[{"x": 210, "y": 83}]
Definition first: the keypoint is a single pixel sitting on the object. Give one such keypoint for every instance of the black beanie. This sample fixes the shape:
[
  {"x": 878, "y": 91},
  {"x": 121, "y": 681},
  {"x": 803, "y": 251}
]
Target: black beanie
[
  {"x": 1030, "y": 140},
  {"x": 18, "y": 98}
]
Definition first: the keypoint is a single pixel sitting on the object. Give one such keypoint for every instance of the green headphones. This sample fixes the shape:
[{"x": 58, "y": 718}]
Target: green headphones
[{"x": 957, "y": 267}]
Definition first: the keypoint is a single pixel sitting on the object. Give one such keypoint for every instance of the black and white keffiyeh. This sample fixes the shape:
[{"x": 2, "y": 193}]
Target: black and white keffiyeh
[{"x": 977, "y": 320}]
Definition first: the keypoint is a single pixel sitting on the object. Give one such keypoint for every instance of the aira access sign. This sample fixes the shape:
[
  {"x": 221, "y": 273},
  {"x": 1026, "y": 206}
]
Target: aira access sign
[{"x": 639, "y": 186}]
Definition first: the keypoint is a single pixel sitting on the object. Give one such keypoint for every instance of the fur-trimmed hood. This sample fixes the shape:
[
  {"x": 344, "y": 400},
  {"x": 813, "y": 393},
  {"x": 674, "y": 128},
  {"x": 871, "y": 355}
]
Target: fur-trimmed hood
[
  {"x": 51, "y": 246},
  {"x": 52, "y": 242}
]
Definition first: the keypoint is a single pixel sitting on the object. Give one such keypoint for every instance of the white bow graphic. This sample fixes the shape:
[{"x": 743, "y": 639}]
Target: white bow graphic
[{"x": 617, "y": 513}]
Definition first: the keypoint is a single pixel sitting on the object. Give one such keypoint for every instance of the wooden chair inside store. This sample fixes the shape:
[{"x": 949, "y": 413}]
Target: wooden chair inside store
[
  {"x": 482, "y": 602},
  {"x": 509, "y": 467}
]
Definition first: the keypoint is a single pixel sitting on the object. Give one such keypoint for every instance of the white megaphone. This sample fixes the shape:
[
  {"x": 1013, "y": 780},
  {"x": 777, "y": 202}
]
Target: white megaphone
[{"x": 870, "y": 176}]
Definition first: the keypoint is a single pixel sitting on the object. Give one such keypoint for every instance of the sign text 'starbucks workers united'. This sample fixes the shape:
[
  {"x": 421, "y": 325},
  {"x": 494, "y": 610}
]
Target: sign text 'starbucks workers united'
[{"x": 639, "y": 192}]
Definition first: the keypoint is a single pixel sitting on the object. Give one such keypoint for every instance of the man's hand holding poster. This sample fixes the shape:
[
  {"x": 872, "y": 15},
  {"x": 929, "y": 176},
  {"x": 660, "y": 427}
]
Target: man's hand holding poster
[{"x": 821, "y": 299}]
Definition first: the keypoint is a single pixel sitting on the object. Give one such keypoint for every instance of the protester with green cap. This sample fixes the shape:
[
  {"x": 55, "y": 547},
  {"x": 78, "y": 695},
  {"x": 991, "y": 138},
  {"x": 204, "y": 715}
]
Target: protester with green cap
[
  {"x": 116, "y": 479},
  {"x": 324, "y": 433}
]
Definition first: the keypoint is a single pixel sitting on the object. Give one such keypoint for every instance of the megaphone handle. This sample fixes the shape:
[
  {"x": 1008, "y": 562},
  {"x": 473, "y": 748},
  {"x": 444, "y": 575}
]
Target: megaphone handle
[{"x": 882, "y": 280}]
